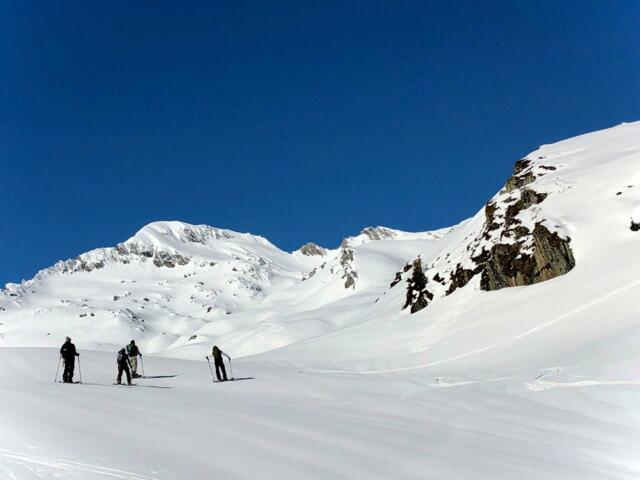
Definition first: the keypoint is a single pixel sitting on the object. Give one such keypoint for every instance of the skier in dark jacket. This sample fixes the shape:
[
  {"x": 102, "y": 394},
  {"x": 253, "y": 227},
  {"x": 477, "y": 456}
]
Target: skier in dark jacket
[
  {"x": 123, "y": 366},
  {"x": 68, "y": 354},
  {"x": 217, "y": 354},
  {"x": 133, "y": 351}
]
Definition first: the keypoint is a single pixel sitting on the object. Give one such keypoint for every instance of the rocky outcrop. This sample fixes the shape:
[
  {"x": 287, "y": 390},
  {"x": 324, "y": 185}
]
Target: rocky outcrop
[
  {"x": 124, "y": 253},
  {"x": 520, "y": 176},
  {"x": 399, "y": 274},
  {"x": 527, "y": 199},
  {"x": 202, "y": 233},
  {"x": 311, "y": 249},
  {"x": 552, "y": 253},
  {"x": 459, "y": 278},
  {"x": 313, "y": 272},
  {"x": 378, "y": 233},
  {"x": 169, "y": 260},
  {"x": 510, "y": 254},
  {"x": 514, "y": 247},
  {"x": 349, "y": 275},
  {"x": 418, "y": 296},
  {"x": 509, "y": 266}
]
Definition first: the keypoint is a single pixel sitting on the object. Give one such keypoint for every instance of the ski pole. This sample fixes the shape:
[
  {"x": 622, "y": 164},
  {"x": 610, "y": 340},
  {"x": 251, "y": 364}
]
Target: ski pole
[
  {"x": 58, "y": 369},
  {"x": 209, "y": 362},
  {"x": 142, "y": 364},
  {"x": 79, "y": 368}
]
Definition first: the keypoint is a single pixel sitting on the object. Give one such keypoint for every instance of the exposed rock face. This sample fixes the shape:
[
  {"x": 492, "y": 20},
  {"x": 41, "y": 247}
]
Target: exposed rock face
[
  {"x": 514, "y": 247},
  {"x": 509, "y": 266},
  {"x": 123, "y": 253},
  {"x": 418, "y": 296},
  {"x": 634, "y": 226},
  {"x": 527, "y": 199},
  {"x": 552, "y": 253},
  {"x": 508, "y": 253},
  {"x": 349, "y": 275},
  {"x": 166, "y": 259},
  {"x": 314, "y": 271},
  {"x": 459, "y": 278},
  {"x": 398, "y": 278},
  {"x": 141, "y": 250},
  {"x": 311, "y": 249},
  {"x": 516, "y": 255},
  {"x": 201, "y": 233},
  {"x": 350, "y": 280},
  {"x": 377, "y": 233},
  {"x": 519, "y": 179}
]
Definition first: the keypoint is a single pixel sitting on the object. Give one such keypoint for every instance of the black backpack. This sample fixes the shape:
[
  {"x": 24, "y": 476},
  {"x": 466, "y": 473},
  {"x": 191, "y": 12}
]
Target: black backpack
[{"x": 122, "y": 357}]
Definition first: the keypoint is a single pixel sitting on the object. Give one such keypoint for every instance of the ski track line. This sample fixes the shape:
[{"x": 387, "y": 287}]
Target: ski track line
[
  {"x": 545, "y": 385},
  {"x": 495, "y": 345},
  {"x": 29, "y": 461}
]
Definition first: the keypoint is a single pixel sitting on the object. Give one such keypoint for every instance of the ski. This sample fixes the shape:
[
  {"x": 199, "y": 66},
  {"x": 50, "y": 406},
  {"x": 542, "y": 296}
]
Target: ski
[{"x": 124, "y": 385}]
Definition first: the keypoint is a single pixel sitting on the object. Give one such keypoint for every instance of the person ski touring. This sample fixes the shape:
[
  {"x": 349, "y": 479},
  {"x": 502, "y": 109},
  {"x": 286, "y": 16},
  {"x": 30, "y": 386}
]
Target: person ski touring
[
  {"x": 123, "y": 366},
  {"x": 68, "y": 353},
  {"x": 217, "y": 354},
  {"x": 133, "y": 351}
]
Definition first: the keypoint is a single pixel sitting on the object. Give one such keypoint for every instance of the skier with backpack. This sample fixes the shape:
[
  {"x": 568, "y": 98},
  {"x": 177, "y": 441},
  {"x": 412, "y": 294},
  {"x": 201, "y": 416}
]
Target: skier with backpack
[
  {"x": 217, "y": 354},
  {"x": 68, "y": 353},
  {"x": 133, "y": 351},
  {"x": 123, "y": 366}
]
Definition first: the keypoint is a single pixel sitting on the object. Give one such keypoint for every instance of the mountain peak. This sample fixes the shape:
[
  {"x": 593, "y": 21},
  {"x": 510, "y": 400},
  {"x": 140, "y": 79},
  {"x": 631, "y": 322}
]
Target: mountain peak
[
  {"x": 311, "y": 249},
  {"x": 174, "y": 233},
  {"x": 163, "y": 231},
  {"x": 380, "y": 233}
]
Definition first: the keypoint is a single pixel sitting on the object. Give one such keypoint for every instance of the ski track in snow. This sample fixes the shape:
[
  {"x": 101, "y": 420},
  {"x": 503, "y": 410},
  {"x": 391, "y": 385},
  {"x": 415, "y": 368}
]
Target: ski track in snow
[
  {"x": 540, "y": 385},
  {"x": 49, "y": 467},
  {"x": 520, "y": 336}
]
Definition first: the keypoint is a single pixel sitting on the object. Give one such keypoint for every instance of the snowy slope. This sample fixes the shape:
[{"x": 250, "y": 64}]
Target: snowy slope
[
  {"x": 586, "y": 320},
  {"x": 489, "y": 380},
  {"x": 288, "y": 423}
]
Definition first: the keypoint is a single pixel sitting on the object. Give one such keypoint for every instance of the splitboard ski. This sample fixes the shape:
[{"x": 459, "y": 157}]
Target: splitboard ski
[
  {"x": 60, "y": 381},
  {"x": 125, "y": 384}
]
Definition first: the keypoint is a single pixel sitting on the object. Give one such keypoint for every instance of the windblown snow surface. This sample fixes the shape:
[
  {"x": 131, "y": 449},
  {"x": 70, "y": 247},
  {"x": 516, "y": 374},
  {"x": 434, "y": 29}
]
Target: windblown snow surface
[{"x": 333, "y": 378}]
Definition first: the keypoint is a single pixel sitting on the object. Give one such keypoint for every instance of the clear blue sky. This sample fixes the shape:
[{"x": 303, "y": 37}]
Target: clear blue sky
[{"x": 295, "y": 120}]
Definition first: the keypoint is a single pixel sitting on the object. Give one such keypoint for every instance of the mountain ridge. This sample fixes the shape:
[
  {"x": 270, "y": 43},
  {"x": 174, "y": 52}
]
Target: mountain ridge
[{"x": 177, "y": 288}]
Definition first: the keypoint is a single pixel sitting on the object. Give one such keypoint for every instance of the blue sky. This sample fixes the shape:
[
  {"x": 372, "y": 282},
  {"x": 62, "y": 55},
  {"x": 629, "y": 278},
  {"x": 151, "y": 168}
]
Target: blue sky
[{"x": 295, "y": 120}]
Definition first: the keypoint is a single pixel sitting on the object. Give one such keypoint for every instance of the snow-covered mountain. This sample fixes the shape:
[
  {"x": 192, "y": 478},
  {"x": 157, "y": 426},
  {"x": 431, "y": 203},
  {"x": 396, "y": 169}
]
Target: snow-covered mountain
[
  {"x": 503, "y": 347},
  {"x": 174, "y": 286},
  {"x": 177, "y": 288}
]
